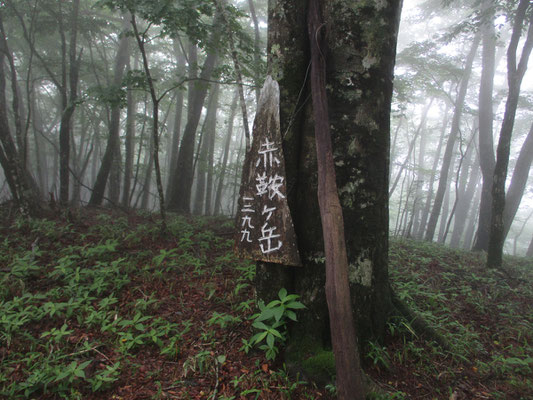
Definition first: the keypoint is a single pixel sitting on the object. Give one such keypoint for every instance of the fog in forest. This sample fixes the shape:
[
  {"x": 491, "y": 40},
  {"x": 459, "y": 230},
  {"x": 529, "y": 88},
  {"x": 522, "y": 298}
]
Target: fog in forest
[{"x": 148, "y": 111}]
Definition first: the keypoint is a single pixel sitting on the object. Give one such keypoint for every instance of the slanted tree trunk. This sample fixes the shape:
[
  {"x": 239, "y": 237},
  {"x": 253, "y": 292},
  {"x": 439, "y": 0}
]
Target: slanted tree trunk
[
  {"x": 515, "y": 73},
  {"x": 518, "y": 182},
  {"x": 411, "y": 146},
  {"x": 486, "y": 118},
  {"x": 529, "y": 252},
  {"x": 515, "y": 240},
  {"x": 450, "y": 144},
  {"x": 113, "y": 140},
  {"x": 360, "y": 129},
  {"x": 155, "y": 119}
]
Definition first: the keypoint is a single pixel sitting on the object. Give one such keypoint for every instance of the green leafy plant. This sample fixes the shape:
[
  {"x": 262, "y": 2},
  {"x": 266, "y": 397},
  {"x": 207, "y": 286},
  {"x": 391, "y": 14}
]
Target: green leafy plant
[{"x": 271, "y": 322}]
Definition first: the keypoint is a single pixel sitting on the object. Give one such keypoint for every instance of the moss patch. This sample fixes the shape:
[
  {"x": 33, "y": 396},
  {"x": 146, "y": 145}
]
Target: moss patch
[{"x": 309, "y": 358}]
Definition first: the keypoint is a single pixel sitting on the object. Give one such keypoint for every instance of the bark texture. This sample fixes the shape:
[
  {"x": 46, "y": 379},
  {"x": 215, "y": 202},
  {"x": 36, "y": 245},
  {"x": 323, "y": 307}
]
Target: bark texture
[
  {"x": 343, "y": 333},
  {"x": 362, "y": 42}
]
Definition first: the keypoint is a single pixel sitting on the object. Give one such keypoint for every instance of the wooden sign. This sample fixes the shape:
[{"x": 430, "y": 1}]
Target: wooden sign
[{"x": 265, "y": 231}]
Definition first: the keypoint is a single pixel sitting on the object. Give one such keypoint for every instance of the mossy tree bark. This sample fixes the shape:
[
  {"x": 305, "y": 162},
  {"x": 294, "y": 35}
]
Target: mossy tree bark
[{"x": 362, "y": 42}]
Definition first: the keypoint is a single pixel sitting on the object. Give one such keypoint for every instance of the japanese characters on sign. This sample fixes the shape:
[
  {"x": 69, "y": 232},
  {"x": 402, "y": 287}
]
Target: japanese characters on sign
[{"x": 264, "y": 224}]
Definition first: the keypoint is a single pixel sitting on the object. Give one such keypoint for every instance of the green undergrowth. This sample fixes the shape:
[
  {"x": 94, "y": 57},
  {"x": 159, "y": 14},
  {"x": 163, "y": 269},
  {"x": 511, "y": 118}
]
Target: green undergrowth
[
  {"x": 485, "y": 315},
  {"x": 106, "y": 305},
  {"x": 103, "y": 305}
]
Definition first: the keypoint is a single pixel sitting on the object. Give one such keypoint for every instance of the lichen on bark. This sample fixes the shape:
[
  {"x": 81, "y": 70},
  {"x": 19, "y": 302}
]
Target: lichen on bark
[{"x": 361, "y": 36}]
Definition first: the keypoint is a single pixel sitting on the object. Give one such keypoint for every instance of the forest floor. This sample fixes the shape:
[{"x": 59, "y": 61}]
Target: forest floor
[{"x": 100, "y": 305}]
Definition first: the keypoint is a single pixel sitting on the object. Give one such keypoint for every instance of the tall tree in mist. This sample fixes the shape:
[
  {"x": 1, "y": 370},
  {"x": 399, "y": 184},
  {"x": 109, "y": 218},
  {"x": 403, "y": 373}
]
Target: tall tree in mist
[
  {"x": 113, "y": 141},
  {"x": 515, "y": 74},
  {"x": 450, "y": 144}
]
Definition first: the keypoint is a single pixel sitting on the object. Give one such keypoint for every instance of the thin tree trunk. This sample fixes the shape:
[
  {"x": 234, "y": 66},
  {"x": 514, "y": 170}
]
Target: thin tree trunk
[
  {"x": 515, "y": 240},
  {"x": 130, "y": 148},
  {"x": 419, "y": 184},
  {"x": 427, "y": 206},
  {"x": 465, "y": 201},
  {"x": 257, "y": 49},
  {"x": 460, "y": 183},
  {"x": 209, "y": 130},
  {"x": 529, "y": 252},
  {"x": 236, "y": 64},
  {"x": 343, "y": 335},
  {"x": 472, "y": 220},
  {"x": 147, "y": 179},
  {"x": 411, "y": 146},
  {"x": 68, "y": 102},
  {"x": 242, "y": 149},
  {"x": 210, "y": 173},
  {"x": 218, "y": 195},
  {"x": 448, "y": 152},
  {"x": 155, "y": 122}
]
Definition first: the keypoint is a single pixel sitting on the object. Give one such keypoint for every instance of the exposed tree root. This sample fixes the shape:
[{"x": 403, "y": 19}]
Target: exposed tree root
[{"x": 420, "y": 326}]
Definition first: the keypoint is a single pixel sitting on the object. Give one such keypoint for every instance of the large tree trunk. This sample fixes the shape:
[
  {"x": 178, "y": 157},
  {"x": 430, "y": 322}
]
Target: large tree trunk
[
  {"x": 343, "y": 332},
  {"x": 448, "y": 152},
  {"x": 359, "y": 110},
  {"x": 486, "y": 117},
  {"x": 113, "y": 141},
  {"x": 515, "y": 73}
]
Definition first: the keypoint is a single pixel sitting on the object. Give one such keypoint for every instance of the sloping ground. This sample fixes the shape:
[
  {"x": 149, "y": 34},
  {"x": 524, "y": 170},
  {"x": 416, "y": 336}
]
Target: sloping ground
[
  {"x": 486, "y": 317},
  {"x": 104, "y": 306}
]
